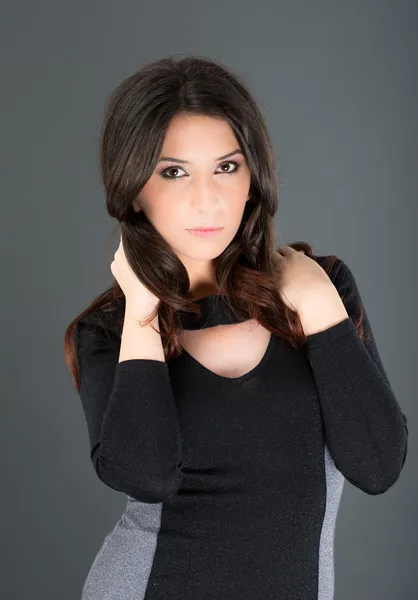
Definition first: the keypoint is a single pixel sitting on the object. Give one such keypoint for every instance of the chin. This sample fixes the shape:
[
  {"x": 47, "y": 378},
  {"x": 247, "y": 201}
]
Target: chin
[{"x": 210, "y": 252}]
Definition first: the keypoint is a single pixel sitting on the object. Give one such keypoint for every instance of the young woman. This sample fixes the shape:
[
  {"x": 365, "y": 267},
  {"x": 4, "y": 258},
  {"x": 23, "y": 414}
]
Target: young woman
[{"x": 229, "y": 387}]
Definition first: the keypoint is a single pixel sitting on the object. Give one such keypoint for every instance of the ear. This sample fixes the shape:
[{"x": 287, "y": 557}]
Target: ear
[{"x": 136, "y": 206}]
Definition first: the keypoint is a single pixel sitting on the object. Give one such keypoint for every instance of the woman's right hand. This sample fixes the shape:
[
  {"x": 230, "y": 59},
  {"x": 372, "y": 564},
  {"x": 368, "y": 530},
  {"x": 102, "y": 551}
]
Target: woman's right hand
[{"x": 140, "y": 302}]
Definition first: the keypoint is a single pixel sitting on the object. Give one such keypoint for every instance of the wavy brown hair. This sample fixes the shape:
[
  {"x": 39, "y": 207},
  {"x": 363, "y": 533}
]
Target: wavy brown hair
[{"x": 136, "y": 119}]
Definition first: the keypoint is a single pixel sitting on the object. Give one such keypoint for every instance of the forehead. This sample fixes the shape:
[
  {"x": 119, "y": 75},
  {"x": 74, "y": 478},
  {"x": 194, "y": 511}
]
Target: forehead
[{"x": 199, "y": 135}]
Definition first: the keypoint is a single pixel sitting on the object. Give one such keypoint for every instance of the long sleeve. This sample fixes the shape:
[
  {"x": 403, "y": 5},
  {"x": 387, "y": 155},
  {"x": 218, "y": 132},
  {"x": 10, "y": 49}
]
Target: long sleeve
[
  {"x": 131, "y": 417},
  {"x": 365, "y": 429}
]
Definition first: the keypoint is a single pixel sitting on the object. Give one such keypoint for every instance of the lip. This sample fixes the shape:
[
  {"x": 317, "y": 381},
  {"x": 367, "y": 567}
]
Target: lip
[
  {"x": 204, "y": 232},
  {"x": 203, "y": 228}
]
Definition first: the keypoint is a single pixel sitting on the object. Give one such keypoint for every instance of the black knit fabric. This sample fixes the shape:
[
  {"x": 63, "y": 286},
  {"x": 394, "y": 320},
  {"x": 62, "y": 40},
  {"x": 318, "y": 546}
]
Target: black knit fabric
[{"x": 247, "y": 471}]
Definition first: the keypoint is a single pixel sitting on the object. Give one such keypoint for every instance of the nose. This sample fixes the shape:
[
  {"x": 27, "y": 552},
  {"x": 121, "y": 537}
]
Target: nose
[{"x": 203, "y": 194}]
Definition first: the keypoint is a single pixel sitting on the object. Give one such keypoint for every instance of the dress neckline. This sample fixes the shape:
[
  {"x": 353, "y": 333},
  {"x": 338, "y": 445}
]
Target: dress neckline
[{"x": 214, "y": 311}]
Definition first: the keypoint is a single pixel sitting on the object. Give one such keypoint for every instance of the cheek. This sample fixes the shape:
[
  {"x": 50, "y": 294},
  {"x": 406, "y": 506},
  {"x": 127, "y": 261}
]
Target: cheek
[
  {"x": 166, "y": 214},
  {"x": 158, "y": 202},
  {"x": 238, "y": 200},
  {"x": 238, "y": 193}
]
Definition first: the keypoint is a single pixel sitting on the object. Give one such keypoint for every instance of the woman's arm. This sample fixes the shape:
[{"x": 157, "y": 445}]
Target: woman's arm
[
  {"x": 130, "y": 412},
  {"x": 365, "y": 429}
]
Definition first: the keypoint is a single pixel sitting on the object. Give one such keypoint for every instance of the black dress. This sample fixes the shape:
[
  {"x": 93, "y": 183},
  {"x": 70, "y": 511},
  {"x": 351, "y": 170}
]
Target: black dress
[{"x": 233, "y": 484}]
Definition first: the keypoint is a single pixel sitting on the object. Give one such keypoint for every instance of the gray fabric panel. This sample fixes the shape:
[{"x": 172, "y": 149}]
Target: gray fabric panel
[
  {"x": 334, "y": 487},
  {"x": 121, "y": 568}
]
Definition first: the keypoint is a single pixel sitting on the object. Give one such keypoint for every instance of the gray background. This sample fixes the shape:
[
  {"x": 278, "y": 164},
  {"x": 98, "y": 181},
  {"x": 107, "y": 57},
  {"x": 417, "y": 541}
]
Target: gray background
[{"x": 337, "y": 82}]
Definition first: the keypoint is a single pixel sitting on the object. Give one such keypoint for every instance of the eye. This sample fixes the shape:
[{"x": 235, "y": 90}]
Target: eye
[
  {"x": 231, "y": 162},
  {"x": 236, "y": 164},
  {"x": 165, "y": 171}
]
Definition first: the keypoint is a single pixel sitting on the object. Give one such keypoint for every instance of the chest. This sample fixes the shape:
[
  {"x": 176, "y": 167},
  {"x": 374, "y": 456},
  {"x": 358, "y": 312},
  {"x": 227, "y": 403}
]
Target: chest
[
  {"x": 229, "y": 351},
  {"x": 263, "y": 421}
]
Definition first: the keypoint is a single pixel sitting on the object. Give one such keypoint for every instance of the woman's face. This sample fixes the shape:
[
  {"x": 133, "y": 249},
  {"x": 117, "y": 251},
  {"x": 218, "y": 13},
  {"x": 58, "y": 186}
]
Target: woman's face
[{"x": 196, "y": 187}]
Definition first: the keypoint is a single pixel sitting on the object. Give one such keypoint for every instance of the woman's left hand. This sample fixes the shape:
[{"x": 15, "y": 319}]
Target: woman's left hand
[{"x": 303, "y": 282}]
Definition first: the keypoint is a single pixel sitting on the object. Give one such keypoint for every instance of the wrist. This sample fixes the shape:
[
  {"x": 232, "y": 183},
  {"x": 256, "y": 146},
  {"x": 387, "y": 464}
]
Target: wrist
[
  {"x": 137, "y": 315},
  {"x": 322, "y": 315}
]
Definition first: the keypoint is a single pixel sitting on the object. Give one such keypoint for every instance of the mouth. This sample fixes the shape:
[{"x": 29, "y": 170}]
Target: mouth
[{"x": 204, "y": 231}]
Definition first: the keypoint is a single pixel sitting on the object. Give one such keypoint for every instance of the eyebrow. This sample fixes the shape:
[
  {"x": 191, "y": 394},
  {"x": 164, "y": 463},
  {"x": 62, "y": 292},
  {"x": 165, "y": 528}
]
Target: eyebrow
[{"x": 186, "y": 162}]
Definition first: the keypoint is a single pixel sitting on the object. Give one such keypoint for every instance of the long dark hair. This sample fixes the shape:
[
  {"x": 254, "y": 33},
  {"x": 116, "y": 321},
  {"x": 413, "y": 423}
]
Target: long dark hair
[{"x": 136, "y": 119}]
